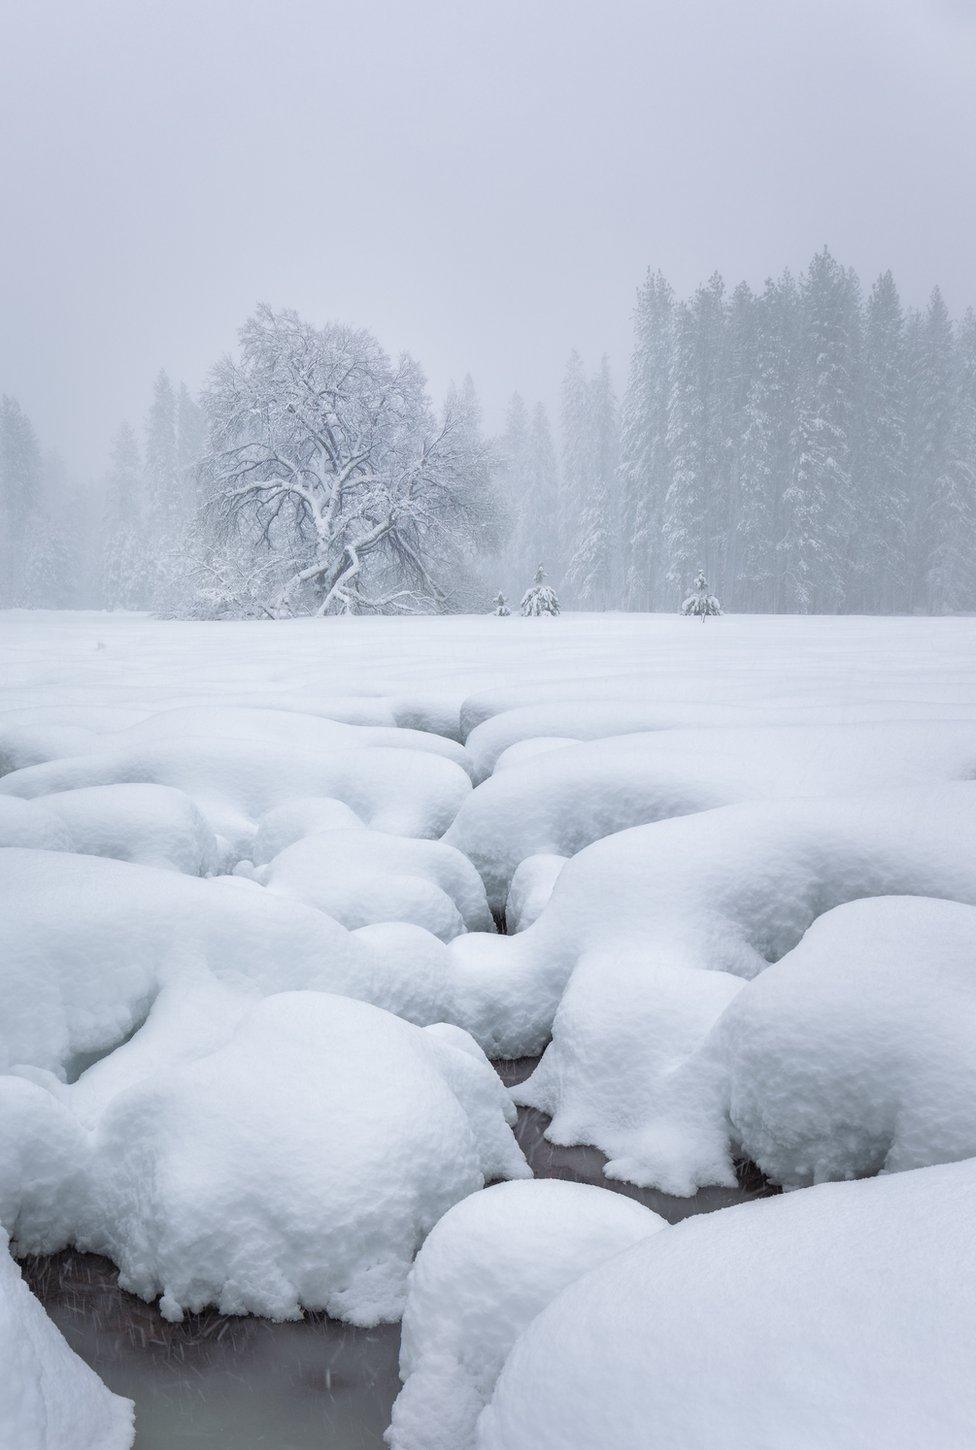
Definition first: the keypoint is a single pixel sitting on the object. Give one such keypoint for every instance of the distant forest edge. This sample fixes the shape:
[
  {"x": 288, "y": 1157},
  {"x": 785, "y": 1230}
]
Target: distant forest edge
[{"x": 812, "y": 448}]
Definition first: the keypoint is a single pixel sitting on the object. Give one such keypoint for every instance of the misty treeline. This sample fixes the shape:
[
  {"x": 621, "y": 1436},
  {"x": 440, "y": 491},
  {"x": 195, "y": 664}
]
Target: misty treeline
[{"x": 812, "y": 448}]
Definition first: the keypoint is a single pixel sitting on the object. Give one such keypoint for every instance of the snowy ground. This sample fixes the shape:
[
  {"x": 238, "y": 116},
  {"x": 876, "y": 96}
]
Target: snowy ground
[{"x": 252, "y": 880}]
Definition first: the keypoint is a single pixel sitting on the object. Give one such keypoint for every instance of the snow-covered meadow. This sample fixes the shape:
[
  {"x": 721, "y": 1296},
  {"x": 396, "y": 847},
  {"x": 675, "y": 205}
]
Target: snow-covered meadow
[{"x": 277, "y": 895}]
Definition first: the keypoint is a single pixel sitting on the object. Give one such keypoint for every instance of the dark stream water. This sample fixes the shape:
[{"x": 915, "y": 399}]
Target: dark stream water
[{"x": 219, "y": 1383}]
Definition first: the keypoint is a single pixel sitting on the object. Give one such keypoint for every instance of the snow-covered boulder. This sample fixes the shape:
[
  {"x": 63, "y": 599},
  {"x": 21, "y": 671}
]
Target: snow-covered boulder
[
  {"x": 487, "y": 1269},
  {"x": 297, "y": 1163},
  {"x": 361, "y": 876},
  {"x": 842, "y": 1317},
  {"x": 49, "y": 1398}
]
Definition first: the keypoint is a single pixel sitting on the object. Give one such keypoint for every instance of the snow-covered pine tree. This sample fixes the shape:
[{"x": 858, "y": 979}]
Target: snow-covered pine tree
[
  {"x": 684, "y": 521},
  {"x": 20, "y": 488},
  {"x": 739, "y": 358},
  {"x": 577, "y": 459},
  {"x": 643, "y": 446},
  {"x": 125, "y": 570},
  {"x": 54, "y": 544},
  {"x": 500, "y": 607},
  {"x": 819, "y": 514},
  {"x": 764, "y": 452},
  {"x": 539, "y": 598},
  {"x": 700, "y": 603},
  {"x": 540, "y": 528},
  {"x": 598, "y": 565},
  {"x": 882, "y": 540},
  {"x": 945, "y": 467}
]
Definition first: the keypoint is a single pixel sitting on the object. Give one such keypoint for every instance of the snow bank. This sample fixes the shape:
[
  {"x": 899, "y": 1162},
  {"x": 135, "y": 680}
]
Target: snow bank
[
  {"x": 842, "y": 1316},
  {"x": 294, "y": 1154},
  {"x": 728, "y": 890},
  {"x": 88, "y": 943},
  {"x": 563, "y": 800},
  {"x": 233, "y": 782},
  {"x": 486, "y": 1270},
  {"x": 49, "y": 1399},
  {"x": 361, "y": 877}
]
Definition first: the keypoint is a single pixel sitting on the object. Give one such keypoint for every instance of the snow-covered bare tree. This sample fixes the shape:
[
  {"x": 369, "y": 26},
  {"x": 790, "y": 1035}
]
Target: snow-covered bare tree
[{"x": 330, "y": 456}]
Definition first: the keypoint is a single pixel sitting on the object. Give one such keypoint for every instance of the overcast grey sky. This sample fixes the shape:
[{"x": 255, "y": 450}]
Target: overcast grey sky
[{"x": 482, "y": 183}]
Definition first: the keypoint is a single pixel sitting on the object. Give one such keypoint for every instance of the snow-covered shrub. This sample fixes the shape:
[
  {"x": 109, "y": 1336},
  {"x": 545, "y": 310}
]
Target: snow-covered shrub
[
  {"x": 540, "y": 597},
  {"x": 700, "y": 602},
  {"x": 842, "y": 1316},
  {"x": 486, "y": 1270}
]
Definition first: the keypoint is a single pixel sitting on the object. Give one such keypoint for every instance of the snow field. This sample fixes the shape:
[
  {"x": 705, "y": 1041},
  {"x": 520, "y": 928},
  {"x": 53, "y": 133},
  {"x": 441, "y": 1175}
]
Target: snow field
[{"x": 250, "y": 975}]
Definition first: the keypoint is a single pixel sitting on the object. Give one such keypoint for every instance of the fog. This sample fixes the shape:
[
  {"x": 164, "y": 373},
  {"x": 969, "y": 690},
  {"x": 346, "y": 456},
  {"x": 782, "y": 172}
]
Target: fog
[{"x": 482, "y": 184}]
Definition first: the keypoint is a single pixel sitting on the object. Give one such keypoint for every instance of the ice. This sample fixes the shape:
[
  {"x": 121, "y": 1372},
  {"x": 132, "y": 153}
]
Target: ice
[
  {"x": 487, "y": 1269},
  {"x": 842, "y": 1316},
  {"x": 49, "y": 1399}
]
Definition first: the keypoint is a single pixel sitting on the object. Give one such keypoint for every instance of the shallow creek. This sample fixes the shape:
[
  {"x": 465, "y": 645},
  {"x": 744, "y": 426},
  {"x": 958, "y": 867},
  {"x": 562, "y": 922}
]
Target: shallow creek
[{"x": 215, "y": 1382}]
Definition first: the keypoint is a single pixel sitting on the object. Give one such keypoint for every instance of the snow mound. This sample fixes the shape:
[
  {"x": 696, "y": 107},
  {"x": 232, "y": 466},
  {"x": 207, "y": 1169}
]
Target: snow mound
[
  {"x": 153, "y": 825},
  {"x": 32, "y": 737},
  {"x": 856, "y": 1053},
  {"x": 88, "y": 943},
  {"x": 29, "y": 823},
  {"x": 294, "y": 819},
  {"x": 729, "y": 890},
  {"x": 531, "y": 889},
  {"x": 361, "y": 877},
  {"x": 49, "y": 1398},
  {"x": 843, "y": 1316},
  {"x": 233, "y": 782},
  {"x": 563, "y": 800},
  {"x": 486, "y": 1270},
  {"x": 298, "y": 1163}
]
